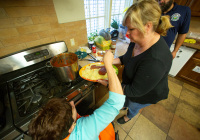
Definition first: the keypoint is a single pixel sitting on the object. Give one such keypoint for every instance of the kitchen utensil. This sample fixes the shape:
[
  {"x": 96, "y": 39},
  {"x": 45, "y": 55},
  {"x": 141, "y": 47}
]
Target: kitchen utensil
[
  {"x": 65, "y": 66},
  {"x": 91, "y": 60},
  {"x": 97, "y": 63},
  {"x": 92, "y": 56}
]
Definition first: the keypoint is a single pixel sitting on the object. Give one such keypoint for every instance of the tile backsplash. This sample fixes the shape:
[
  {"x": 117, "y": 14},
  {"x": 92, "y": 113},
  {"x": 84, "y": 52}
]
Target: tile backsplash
[{"x": 25, "y": 24}]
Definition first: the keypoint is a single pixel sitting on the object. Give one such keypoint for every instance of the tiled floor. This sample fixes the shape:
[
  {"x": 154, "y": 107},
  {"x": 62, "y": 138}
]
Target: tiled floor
[{"x": 176, "y": 118}]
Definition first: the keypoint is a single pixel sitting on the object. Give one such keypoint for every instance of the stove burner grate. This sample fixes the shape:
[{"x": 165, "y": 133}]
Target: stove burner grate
[{"x": 35, "y": 89}]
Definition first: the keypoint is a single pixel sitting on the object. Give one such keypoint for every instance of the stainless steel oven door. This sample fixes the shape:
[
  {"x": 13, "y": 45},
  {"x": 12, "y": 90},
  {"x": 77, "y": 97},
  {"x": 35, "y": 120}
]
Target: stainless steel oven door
[{"x": 86, "y": 104}]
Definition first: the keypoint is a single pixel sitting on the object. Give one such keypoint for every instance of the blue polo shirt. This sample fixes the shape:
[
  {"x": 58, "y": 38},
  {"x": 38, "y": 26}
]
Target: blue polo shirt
[{"x": 180, "y": 19}]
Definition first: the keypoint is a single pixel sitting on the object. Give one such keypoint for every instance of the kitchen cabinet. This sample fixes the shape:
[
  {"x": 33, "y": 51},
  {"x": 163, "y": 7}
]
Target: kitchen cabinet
[
  {"x": 120, "y": 70},
  {"x": 101, "y": 91},
  {"x": 183, "y": 55},
  {"x": 191, "y": 71},
  {"x": 193, "y": 4},
  {"x": 69, "y": 10},
  {"x": 182, "y": 2}
]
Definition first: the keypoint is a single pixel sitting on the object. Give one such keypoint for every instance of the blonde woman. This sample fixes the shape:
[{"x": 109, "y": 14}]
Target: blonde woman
[{"x": 148, "y": 59}]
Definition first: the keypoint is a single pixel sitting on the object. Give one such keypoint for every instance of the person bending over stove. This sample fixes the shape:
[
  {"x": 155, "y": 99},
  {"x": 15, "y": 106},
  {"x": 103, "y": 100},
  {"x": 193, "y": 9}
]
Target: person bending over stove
[{"x": 58, "y": 118}]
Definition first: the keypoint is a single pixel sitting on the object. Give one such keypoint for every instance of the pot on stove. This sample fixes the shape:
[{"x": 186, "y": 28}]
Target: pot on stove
[{"x": 65, "y": 66}]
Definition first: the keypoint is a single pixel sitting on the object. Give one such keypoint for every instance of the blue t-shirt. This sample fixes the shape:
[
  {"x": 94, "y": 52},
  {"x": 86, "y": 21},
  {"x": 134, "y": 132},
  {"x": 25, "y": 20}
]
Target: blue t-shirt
[
  {"x": 89, "y": 128},
  {"x": 180, "y": 19}
]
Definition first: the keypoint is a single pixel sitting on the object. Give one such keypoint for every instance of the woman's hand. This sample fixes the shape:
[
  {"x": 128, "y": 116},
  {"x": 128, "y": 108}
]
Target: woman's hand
[
  {"x": 103, "y": 82},
  {"x": 173, "y": 54},
  {"x": 108, "y": 58}
]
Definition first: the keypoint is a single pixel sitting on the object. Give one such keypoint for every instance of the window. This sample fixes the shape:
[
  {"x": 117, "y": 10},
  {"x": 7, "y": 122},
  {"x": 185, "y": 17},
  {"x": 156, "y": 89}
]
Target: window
[
  {"x": 118, "y": 7},
  {"x": 99, "y": 13}
]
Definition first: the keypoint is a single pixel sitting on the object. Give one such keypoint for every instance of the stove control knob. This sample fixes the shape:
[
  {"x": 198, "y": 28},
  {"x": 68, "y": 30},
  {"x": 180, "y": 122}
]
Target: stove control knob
[
  {"x": 85, "y": 85},
  {"x": 79, "y": 90}
]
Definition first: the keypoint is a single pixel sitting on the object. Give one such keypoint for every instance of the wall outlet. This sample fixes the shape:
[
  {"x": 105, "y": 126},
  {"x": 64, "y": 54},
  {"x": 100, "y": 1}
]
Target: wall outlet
[{"x": 72, "y": 42}]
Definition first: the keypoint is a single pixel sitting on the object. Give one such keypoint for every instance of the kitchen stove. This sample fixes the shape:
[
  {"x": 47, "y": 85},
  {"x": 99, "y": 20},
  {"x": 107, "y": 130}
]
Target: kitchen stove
[
  {"x": 32, "y": 90},
  {"x": 27, "y": 88}
]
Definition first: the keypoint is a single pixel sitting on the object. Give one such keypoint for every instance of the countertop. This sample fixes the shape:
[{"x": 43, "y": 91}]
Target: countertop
[
  {"x": 194, "y": 46},
  {"x": 121, "y": 48},
  {"x": 195, "y": 36}
]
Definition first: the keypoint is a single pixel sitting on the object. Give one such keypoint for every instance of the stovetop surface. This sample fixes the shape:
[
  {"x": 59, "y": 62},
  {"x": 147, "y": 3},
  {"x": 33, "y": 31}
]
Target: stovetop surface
[
  {"x": 36, "y": 88},
  {"x": 33, "y": 90}
]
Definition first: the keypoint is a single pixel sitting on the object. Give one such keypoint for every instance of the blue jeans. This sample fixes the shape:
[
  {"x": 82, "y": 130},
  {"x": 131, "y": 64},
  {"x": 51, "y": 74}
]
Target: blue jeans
[{"x": 133, "y": 108}]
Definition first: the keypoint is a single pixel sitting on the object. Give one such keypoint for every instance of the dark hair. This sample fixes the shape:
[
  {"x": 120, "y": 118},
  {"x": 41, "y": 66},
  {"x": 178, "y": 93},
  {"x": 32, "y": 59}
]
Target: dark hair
[{"x": 50, "y": 122}]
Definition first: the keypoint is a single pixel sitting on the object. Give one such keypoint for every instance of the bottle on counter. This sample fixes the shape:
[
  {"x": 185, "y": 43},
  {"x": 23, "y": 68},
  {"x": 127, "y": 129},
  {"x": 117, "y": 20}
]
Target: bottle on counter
[
  {"x": 93, "y": 48},
  {"x": 113, "y": 46}
]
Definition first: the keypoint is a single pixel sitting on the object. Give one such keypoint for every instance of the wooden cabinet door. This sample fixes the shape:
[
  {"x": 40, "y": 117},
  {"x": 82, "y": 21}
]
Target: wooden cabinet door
[
  {"x": 195, "y": 7},
  {"x": 183, "y": 2},
  {"x": 188, "y": 72},
  {"x": 193, "y": 4},
  {"x": 120, "y": 70},
  {"x": 100, "y": 92}
]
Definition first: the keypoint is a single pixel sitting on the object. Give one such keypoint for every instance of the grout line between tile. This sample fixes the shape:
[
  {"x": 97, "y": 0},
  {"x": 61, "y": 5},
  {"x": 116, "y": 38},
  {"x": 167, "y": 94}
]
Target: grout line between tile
[
  {"x": 175, "y": 111},
  {"x": 134, "y": 123},
  {"x": 127, "y": 136}
]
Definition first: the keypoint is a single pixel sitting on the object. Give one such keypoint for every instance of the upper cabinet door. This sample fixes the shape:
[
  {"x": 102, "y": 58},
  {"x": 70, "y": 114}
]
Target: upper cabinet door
[
  {"x": 69, "y": 10},
  {"x": 193, "y": 4},
  {"x": 195, "y": 7},
  {"x": 182, "y": 2}
]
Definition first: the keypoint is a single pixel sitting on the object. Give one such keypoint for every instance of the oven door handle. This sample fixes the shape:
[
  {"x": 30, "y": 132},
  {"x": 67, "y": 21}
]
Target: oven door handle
[{"x": 80, "y": 100}]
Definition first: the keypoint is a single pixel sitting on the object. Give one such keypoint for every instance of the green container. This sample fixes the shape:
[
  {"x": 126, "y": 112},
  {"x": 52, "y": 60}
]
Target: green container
[
  {"x": 80, "y": 54},
  {"x": 102, "y": 43}
]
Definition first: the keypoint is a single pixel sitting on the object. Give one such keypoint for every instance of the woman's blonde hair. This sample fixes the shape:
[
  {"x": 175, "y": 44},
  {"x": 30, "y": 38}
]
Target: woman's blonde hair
[{"x": 145, "y": 11}]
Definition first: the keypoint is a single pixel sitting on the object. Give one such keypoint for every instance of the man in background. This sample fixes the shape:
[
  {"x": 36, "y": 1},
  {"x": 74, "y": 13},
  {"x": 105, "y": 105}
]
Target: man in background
[{"x": 180, "y": 19}]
